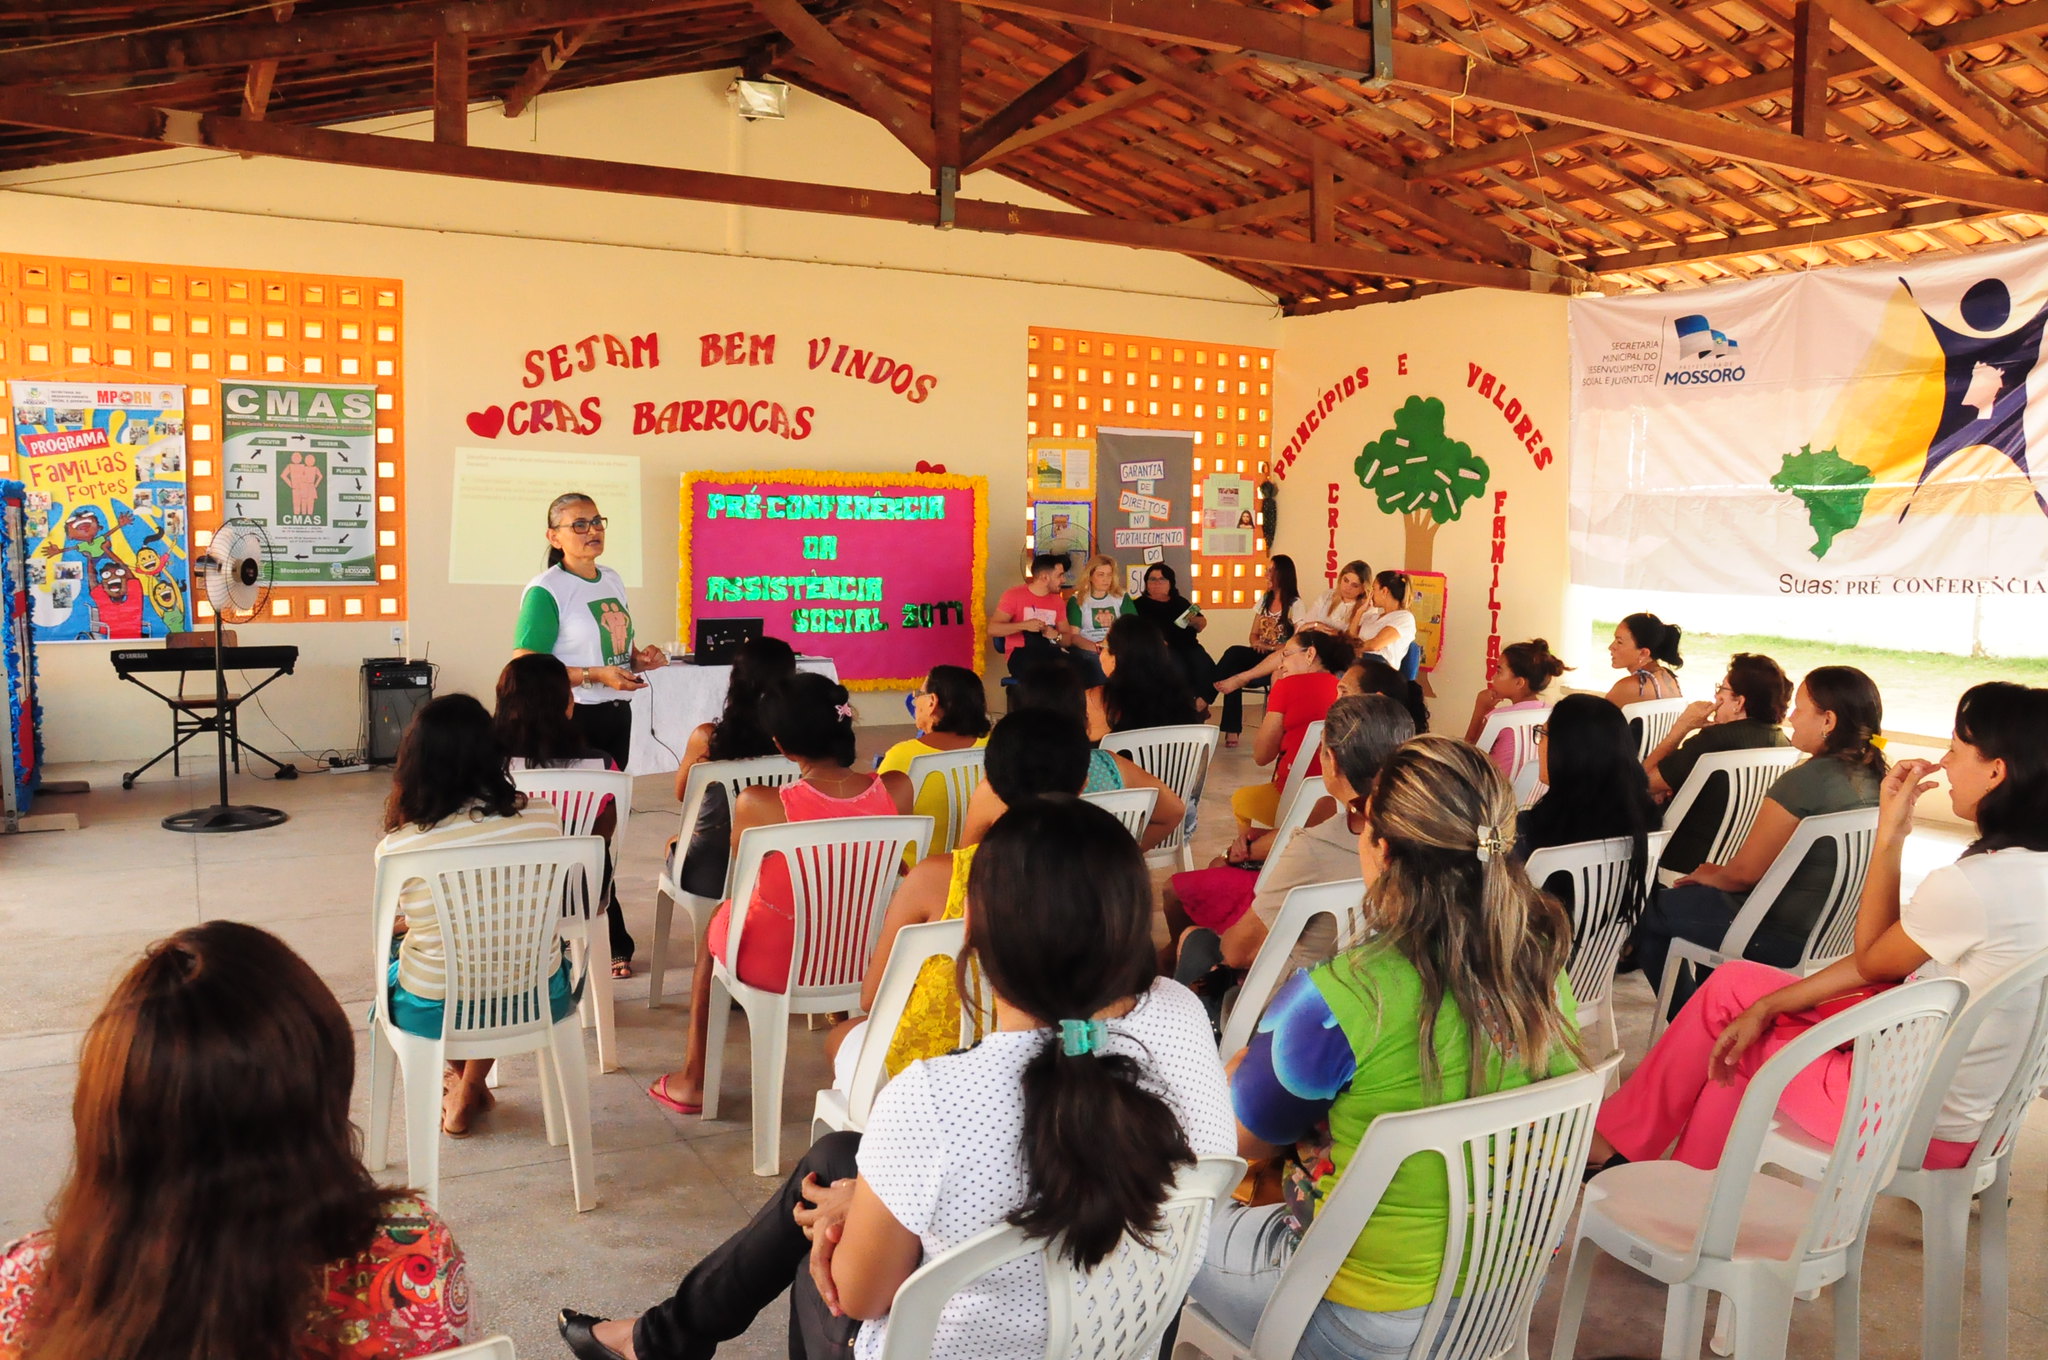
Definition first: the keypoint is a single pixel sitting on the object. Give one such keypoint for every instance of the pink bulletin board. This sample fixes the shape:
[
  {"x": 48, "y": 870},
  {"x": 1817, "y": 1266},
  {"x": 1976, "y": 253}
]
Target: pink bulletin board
[{"x": 882, "y": 572}]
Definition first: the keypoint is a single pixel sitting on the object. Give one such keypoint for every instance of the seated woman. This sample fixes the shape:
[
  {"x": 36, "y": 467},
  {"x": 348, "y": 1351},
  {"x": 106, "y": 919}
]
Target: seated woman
[
  {"x": 1033, "y": 752},
  {"x": 537, "y": 733},
  {"x": 1180, "y": 621},
  {"x": 216, "y": 1208},
  {"x": 1339, "y": 611},
  {"x": 1371, "y": 675},
  {"x": 810, "y": 718},
  {"x": 1096, "y": 603},
  {"x": 1836, "y": 718},
  {"x": 951, "y": 713},
  {"x": 1055, "y": 688},
  {"x": 1142, "y": 686},
  {"x": 1071, "y": 1120},
  {"x": 1461, "y": 990},
  {"x": 1387, "y": 630},
  {"x": 1525, "y": 671},
  {"x": 448, "y": 788},
  {"x": 1744, "y": 715},
  {"x": 1359, "y": 734},
  {"x": 1277, "y": 613},
  {"x": 758, "y": 666},
  {"x": 1303, "y": 689},
  {"x": 1645, "y": 649},
  {"x": 1973, "y": 920}
]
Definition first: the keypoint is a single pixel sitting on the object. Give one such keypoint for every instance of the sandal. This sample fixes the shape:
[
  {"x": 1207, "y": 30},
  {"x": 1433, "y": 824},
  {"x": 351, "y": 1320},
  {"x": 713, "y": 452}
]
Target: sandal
[
  {"x": 622, "y": 968},
  {"x": 658, "y": 1093},
  {"x": 1230, "y": 738},
  {"x": 456, "y": 1124}
]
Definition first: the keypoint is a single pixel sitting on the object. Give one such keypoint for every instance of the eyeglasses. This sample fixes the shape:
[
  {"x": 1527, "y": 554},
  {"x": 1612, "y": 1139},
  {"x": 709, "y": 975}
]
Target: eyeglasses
[
  {"x": 582, "y": 526},
  {"x": 1539, "y": 732},
  {"x": 1723, "y": 690}
]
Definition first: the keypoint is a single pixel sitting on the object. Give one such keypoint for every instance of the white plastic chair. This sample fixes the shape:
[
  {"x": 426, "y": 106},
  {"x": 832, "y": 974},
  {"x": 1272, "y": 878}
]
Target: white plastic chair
[
  {"x": 732, "y": 776},
  {"x": 1599, "y": 874},
  {"x": 1511, "y": 1162},
  {"x": 1177, "y": 757},
  {"x": 959, "y": 772},
  {"x": 1521, "y": 724},
  {"x": 1833, "y": 932},
  {"x": 493, "y": 1348},
  {"x": 1305, "y": 756},
  {"x": 1657, "y": 717},
  {"x": 914, "y": 947},
  {"x": 1343, "y": 900},
  {"x": 842, "y": 873},
  {"x": 500, "y": 913},
  {"x": 1749, "y": 776},
  {"x": 580, "y": 796},
  {"x": 1132, "y": 807},
  {"x": 1293, "y": 817},
  {"x": 1117, "y": 1311},
  {"x": 1944, "y": 1197},
  {"x": 1758, "y": 1240}
]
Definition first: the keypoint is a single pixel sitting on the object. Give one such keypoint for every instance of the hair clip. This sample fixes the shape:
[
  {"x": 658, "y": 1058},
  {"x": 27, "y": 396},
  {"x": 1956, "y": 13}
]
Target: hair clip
[
  {"x": 1490, "y": 841},
  {"x": 844, "y": 710},
  {"x": 1078, "y": 1038},
  {"x": 1877, "y": 740}
]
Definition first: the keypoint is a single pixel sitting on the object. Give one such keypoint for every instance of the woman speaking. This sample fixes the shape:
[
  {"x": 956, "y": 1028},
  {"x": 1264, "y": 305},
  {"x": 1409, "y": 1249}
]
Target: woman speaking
[{"x": 576, "y": 612}]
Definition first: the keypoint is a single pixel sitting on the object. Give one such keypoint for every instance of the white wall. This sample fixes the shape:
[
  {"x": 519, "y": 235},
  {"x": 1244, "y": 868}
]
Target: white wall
[{"x": 491, "y": 271}]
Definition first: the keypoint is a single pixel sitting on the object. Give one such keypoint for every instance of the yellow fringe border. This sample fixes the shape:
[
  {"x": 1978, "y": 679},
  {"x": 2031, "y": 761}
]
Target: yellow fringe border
[{"x": 977, "y": 613}]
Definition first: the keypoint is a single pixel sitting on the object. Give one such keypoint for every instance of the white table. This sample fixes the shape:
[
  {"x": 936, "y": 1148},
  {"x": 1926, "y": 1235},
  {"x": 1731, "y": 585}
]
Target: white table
[{"x": 677, "y": 699}]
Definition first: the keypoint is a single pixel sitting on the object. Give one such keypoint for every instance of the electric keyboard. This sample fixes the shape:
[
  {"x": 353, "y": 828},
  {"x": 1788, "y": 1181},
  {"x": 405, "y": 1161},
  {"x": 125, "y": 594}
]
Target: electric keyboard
[{"x": 153, "y": 660}]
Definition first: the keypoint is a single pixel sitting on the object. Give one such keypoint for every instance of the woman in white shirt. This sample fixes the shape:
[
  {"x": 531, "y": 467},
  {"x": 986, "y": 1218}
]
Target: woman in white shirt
[
  {"x": 1973, "y": 920},
  {"x": 1340, "y": 610},
  {"x": 1389, "y": 628},
  {"x": 1098, "y": 1085}
]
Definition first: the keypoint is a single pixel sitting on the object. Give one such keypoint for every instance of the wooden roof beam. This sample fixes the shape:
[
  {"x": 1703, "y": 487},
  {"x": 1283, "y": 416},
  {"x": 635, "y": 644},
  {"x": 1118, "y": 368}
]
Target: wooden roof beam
[
  {"x": 158, "y": 127},
  {"x": 308, "y": 35},
  {"x": 451, "y": 89},
  {"x": 1266, "y": 209},
  {"x": 554, "y": 54},
  {"x": 1127, "y": 98},
  {"x": 851, "y": 73},
  {"x": 1892, "y": 48},
  {"x": 1790, "y": 238},
  {"x": 1022, "y": 111}
]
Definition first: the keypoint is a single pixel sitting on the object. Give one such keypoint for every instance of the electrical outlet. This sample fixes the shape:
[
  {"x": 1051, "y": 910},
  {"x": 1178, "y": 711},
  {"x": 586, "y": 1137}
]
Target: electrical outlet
[{"x": 397, "y": 633}]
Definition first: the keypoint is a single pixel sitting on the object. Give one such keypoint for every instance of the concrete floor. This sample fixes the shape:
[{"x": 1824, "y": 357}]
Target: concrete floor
[{"x": 76, "y": 907}]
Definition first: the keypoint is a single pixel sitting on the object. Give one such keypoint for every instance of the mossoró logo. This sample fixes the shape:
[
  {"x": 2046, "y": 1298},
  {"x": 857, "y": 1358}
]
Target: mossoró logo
[{"x": 1706, "y": 355}]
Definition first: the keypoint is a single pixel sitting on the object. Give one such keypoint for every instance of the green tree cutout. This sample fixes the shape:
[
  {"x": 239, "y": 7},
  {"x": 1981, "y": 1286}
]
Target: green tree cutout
[
  {"x": 1420, "y": 473},
  {"x": 1830, "y": 486}
]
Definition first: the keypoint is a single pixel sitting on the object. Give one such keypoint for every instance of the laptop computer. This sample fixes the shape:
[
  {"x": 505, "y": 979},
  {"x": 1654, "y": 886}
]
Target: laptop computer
[{"x": 718, "y": 639}]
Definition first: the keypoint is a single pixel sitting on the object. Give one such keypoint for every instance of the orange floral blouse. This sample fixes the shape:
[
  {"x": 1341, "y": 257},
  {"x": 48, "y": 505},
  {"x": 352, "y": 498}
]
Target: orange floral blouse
[{"x": 406, "y": 1294}]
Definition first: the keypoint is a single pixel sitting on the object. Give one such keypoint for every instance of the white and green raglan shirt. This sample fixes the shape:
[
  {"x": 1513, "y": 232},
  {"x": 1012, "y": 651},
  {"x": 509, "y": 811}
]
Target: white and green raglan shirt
[{"x": 582, "y": 622}]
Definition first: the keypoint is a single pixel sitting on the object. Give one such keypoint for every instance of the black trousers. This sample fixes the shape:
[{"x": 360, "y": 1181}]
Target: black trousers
[
  {"x": 608, "y": 727},
  {"x": 1236, "y": 660},
  {"x": 723, "y": 1293}
]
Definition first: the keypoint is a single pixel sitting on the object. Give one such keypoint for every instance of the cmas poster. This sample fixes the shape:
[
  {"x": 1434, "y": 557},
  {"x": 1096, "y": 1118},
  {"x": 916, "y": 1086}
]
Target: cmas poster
[
  {"x": 301, "y": 461},
  {"x": 104, "y": 511}
]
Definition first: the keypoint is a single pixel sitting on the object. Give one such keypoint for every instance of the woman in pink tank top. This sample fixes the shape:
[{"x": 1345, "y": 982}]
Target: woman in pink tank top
[{"x": 811, "y": 719}]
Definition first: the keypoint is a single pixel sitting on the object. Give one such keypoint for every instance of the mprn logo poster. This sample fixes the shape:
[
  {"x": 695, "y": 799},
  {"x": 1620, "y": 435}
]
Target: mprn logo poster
[{"x": 301, "y": 461}]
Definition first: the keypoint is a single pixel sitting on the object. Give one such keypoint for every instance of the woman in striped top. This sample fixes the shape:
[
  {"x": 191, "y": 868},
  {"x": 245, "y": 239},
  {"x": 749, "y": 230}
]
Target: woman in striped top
[{"x": 450, "y": 788}]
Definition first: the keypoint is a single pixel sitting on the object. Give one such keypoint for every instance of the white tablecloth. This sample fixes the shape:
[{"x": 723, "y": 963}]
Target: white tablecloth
[{"x": 676, "y": 700}]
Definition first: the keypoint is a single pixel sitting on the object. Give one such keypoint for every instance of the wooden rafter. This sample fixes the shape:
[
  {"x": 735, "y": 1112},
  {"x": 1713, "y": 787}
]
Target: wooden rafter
[
  {"x": 451, "y": 89},
  {"x": 1789, "y": 238},
  {"x": 850, "y": 73},
  {"x": 1113, "y": 103},
  {"x": 554, "y": 54},
  {"x": 1020, "y": 112},
  {"x": 1809, "y": 69}
]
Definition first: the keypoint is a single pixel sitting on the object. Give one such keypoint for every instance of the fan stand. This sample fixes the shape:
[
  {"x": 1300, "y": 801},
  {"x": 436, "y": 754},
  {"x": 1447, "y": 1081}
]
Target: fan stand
[{"x": 223, "y": 816}]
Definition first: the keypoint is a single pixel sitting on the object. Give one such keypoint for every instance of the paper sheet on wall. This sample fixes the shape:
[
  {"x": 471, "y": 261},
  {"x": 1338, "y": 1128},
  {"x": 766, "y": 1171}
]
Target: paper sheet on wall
[{"x": 498, "y": 533}]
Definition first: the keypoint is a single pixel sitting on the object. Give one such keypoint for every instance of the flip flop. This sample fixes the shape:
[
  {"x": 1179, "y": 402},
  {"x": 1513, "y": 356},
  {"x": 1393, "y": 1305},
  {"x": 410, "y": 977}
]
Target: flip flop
[{"x": 658, "y": 1093}]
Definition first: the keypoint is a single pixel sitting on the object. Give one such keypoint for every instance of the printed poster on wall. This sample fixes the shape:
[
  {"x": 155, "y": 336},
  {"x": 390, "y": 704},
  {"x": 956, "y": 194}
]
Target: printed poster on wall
[
  {"x": 1872, "y": 431},
  {"x": 1228, "y": 525},
  {"x": 301, "y": 460},
  {"x": 104, "y": 509}
]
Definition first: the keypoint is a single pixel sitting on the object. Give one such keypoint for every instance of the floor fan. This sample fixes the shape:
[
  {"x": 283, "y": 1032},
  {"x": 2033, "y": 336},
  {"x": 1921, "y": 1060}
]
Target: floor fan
[{"x": 236, "y": 573}]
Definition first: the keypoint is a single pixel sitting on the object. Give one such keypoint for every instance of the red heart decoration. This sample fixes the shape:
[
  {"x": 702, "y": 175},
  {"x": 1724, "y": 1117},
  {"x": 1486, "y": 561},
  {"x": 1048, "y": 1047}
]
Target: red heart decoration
[
  {"x": 923, "y": 466},
  {"x": 486, "y": 423}
]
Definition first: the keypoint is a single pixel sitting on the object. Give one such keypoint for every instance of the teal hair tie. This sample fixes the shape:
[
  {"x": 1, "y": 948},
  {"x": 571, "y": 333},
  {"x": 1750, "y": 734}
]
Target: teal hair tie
[{"x": 1078, "y": 1038}]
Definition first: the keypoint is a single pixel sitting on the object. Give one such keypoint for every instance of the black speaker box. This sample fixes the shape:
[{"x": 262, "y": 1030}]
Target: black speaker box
[{"x": 393, "y": 690}]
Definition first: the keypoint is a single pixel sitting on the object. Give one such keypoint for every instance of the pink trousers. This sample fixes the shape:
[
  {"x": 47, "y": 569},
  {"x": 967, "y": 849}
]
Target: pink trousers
[{"x": 1670, "y": 1098}]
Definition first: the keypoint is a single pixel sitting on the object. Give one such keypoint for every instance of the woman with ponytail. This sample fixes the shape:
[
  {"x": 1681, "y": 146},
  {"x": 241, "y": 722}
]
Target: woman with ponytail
[
  {"x": 1837, "y": 718},
  {"x": 1459, "y": 991},
  {"x": 1099, "y": 1084},
  {"x": 810, "y": 719},
  {"x": 1390, "y": 626}
]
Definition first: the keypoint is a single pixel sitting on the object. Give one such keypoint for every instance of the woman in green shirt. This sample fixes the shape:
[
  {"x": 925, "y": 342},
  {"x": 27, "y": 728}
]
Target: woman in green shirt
[{"x": 1460, "y": 936}]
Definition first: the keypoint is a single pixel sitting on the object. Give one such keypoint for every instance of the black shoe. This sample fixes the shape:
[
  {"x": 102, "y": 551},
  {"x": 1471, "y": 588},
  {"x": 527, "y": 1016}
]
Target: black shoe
[
  {"x": 576, "y": 1329},
  {"x": 1592, "y": 1169}
]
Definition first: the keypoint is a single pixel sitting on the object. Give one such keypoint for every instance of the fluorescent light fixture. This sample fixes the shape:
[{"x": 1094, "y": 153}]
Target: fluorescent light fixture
[{"x": 755, "y": 99}]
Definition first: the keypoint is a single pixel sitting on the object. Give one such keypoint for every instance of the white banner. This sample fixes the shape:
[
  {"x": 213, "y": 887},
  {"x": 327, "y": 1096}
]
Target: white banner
[{"x": 1869, "y": 431}]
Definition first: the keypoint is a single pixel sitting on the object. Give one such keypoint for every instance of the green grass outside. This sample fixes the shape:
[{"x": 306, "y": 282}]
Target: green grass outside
[{"x": 1920, "y": 689}]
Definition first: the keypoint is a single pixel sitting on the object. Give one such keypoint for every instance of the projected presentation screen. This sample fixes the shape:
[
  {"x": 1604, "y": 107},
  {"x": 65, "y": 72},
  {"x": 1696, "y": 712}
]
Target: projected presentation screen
[{"x": 498, "y": 532}]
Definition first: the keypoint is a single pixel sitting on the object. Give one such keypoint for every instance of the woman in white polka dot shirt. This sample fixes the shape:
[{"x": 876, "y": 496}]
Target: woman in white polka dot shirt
[{"x": 1075, "y": 1132}]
